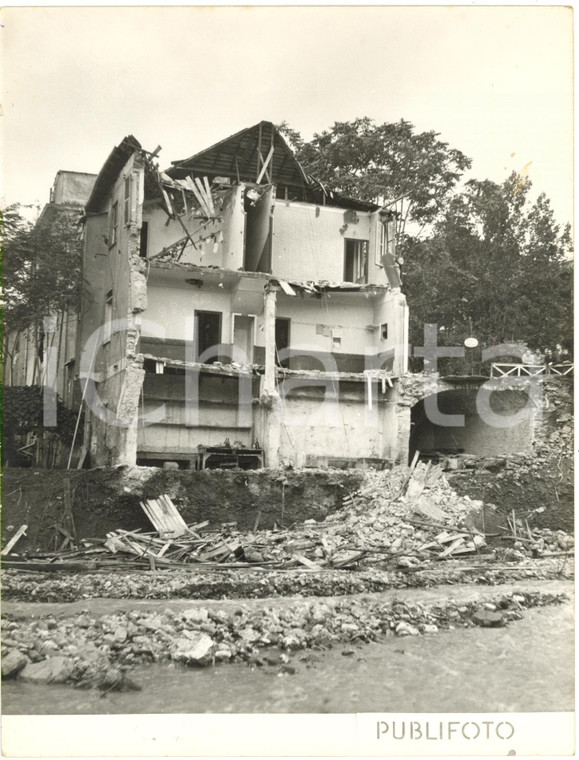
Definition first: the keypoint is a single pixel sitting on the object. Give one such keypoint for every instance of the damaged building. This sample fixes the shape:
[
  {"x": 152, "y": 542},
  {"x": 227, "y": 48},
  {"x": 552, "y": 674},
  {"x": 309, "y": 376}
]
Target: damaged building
[
  {"x": 234, "y": 312},
  {"x": 250, "y": 317}
]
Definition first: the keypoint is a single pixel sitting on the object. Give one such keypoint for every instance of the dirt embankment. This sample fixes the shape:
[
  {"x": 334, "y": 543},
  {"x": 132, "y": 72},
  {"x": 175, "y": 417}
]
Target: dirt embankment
[
  {"x": 542, "y": 480},
  {"x": 104, "y": 500}
]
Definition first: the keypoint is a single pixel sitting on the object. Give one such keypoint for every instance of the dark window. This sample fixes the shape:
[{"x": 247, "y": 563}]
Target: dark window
[
  {"x": 282, "y": 338},
  {"x": 384, "y": 330},
  {"x": 356, "y": 261},
  {"x": 127, "y": 200},
  {"x": 144, "y": 240},
  {"x": 108, "y": 317},
  {"x": 113, "y": 219},
  {"x": 208, "y": 335}
]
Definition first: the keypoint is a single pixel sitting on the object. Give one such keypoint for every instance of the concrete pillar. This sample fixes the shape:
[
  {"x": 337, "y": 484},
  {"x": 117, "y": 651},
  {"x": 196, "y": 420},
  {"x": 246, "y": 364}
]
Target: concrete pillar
[
  {"x": 269, "y": 312},
  {"x": 402, "y": 445}
]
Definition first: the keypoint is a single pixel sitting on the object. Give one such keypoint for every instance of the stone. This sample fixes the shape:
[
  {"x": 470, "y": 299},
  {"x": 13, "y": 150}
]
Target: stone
[
  {"x": 429, "y": 628},
  {"x": 152, "y": 622},
  {"x": 54, "y": 670},
  {"x": 120, "y": 635},
  {"x": 248, "y": 634},
  {"x": 408, "y": 561},
  {"x": 12, "y": 663},
  {"x": 252, "y": 555},
  {"x": 223, "y": 652},
  {"x": 487, "y": 618},
  {"x": 195, "y": 615},
  {"x": 170, "y": 466},
  {"x": 196, "y": 649},
  {"x": 405, "y": 629}
]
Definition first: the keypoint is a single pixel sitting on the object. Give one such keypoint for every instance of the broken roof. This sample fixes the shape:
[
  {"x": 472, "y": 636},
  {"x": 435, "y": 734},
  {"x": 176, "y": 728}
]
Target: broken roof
[
  {"x": 237, "y": 157},
  {"x": 261, "y": 154},
  {"x": 109, "y": 173}
]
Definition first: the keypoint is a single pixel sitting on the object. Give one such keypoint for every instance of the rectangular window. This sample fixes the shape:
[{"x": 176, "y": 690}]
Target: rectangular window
[
  {"x": 108, "y": 317},
  {"x": 356, "y": 261},
  {"x": 144, "y": 240},
  {"x": 113, "y": 221},
  {"x": 384, "y": 331},
  {"x": 127, "y": 201},
  {"x": 208, "y": 336}
]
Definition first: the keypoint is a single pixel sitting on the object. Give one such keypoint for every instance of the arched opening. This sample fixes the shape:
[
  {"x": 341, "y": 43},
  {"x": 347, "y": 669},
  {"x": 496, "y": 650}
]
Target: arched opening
[{"x": 482, "y": 437}]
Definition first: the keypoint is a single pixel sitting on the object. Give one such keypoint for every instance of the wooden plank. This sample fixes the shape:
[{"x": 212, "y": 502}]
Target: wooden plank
[
  {"x": 307, "y": 562},
  {"x": 200, "y": 200},
  {"x": 13, "y": 541},
  {"x": 209, "y": 197},
  {"x": 410, "y": 471},
  {"x": 198, "y": 526},
  {"x": 156, "y": 516},
  {"x": 449, "y": 549},
  {"x": 164, "y": 549},
  {"x": 162, "y": 516},
  {"x": 201, "y": 190},
  {"x": 179, "y": 525}
]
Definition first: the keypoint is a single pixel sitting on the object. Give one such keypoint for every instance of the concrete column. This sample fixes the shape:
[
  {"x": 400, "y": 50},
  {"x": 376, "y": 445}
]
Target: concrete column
[
  {"x": 269, "y": 312},
  {"x": 403, "y": 419}
]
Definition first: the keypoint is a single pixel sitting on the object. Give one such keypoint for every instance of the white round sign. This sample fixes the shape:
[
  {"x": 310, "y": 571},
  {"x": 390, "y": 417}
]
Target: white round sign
[{"x": 471, "y": 342}]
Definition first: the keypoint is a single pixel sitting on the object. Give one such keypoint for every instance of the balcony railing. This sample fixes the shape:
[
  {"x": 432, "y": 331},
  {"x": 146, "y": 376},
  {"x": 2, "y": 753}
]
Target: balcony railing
[{"x": 531, "y": 370}]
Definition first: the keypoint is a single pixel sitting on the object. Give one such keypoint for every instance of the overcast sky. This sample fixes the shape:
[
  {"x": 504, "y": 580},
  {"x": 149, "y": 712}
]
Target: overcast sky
[{"x": 495, "y": 82}]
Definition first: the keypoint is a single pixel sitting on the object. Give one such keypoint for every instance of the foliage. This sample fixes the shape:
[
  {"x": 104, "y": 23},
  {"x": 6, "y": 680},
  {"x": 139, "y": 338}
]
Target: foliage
[
  {"x": 387, "y": 161},
  {"x": 41, "y": 265},
  {"x": 492, "y": 264},
  {"x": 496, "y": 266}
]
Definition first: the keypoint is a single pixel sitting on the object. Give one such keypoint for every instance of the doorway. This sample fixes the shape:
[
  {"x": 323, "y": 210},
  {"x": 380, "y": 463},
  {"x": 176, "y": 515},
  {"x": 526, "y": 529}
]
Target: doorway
[
  {"x": 243, "y": 340},
  {"x": 208, "y": 335},
  {"x": 282, "y": 340}
]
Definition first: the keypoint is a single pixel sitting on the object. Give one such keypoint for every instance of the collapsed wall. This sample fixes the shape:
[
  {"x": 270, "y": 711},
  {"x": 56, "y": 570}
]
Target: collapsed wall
[
  {"x": 536, "y": 482},
  {"x": 106, "y": 499}
]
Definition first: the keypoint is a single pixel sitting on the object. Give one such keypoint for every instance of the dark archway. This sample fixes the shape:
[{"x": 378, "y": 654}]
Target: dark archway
[{"x": 476, "y": 436}]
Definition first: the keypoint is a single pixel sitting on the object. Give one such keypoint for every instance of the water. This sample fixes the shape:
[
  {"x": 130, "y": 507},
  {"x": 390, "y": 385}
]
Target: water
[{"x": 525, "y": 667}]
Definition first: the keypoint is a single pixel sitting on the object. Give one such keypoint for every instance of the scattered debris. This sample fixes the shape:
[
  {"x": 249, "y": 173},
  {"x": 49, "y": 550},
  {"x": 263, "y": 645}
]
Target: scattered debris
[{"x": 13, "y": 541}]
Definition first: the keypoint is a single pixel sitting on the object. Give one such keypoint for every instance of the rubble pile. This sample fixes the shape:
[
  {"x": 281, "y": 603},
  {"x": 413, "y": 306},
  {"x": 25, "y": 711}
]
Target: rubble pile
[
  {"x": 402, "y": 520},
  {"x": 398, "y": 518},
  {"x": 95, "y": 652}
]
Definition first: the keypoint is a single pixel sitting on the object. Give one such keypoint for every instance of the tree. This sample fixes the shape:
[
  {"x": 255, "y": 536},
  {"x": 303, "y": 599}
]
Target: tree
[
  {"x": 42, "y": 271},
  {"x": 41, "y": 264},
  {"x": 495, "y": 265},
  {"x": 389, "y": 161}
]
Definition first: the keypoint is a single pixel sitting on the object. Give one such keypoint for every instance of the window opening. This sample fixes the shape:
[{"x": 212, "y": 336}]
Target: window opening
[
  {"x": 356, "y": 261},
  {"x": 208, "y": 336},
  {"x": 113, "y": 224},
  {"x": 144, "y": 240}
]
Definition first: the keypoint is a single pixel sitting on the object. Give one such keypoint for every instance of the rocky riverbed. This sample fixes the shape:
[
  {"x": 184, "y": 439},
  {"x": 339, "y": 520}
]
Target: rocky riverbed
[{"x": 91, "y": 650}]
